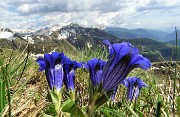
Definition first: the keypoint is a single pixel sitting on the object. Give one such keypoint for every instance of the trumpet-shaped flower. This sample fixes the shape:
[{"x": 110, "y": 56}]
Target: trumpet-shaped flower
[
  {"x": 123, "y": 57},
  {"x": 53, "y": 66},
  {"x": 133, "y": 86},
  {"x": 95, "y": 67},
  {"x": 69, "y": 73}
]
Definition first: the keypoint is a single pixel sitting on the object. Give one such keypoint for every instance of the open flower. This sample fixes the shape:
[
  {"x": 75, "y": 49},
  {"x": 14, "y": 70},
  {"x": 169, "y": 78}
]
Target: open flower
[
  {"x": 69, "y": 73},
  {"x": 133, "y": 86},
  {"x": 53, "y": 66},
  {"x": 123, "y": 57},
  {"x": 95, "y": 67}
]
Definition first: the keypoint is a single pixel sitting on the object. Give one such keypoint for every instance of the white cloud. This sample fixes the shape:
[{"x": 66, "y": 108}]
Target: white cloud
[{"x": 129, "y": 13}]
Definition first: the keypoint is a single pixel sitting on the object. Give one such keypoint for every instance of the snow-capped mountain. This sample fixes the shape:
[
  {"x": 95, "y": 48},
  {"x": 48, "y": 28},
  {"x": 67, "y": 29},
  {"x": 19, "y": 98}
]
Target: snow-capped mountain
[
  {"x": 78, "y": 36},
  {"x": 5, "y": 30},
  {"x": 24, "y": 31},
  {"x": 74, "y": 37},
  {"x": 27, "y": 35},
  {"x": 82, "y": 37},
  {"x": 6, "y": 33},
  {"x": 48, "y": 30}
]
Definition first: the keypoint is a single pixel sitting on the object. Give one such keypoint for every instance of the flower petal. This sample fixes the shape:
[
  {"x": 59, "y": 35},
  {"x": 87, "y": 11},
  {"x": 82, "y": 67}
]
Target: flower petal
[
  {"x": 54, "y": 57},
  {"x": 42, "y": 63},
  {"x": 71, "y": 80},
  {"x": 130, "y": 92},
  {"x": 125, "y": 83},
  {"x": 140, "y": 61},
  {"x": 107, "y": 42},
  {"x": 49, "y": 78},
  {"x": 133, "y": 86},
  {"x": 69, "y": 67},
  {"x": 95, "y": 67},
  {"x": 98, "y": 77},
  {"x": 47, "y": 57},
  {"x": 58, "y": 76}
]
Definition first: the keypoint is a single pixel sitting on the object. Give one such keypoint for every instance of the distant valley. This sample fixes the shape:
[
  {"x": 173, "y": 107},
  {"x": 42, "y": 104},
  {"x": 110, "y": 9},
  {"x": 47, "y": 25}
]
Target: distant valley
[{"x": 142, "y": 33}]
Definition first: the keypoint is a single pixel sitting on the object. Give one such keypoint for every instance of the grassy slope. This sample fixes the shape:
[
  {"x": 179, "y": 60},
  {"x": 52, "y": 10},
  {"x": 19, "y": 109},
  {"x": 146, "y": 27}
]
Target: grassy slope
[{"x": 29, "y": 90}]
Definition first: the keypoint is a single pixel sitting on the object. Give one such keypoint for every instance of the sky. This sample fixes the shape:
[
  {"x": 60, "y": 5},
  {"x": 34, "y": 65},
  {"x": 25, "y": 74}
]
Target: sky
[{"x": 36, "y": 14}]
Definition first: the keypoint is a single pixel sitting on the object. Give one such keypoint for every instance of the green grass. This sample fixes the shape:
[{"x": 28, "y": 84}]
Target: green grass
[
  {"x": 28, "y": 88},
  {"x": 13, "y": 68}
]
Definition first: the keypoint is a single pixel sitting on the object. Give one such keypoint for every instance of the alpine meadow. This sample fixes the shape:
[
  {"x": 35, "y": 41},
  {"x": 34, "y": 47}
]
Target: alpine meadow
[{"x": 89, "y": 58}]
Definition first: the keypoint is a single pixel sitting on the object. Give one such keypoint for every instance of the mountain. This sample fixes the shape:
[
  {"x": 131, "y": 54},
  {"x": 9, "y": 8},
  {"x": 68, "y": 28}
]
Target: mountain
[
  {"x": 83, "y": 37},
  {"x": 153, "y": 50},
  {"x": 160, "y": 35},
  {"x": 70, "y": 37},
  {"x": 5, "y": 30},
  {"x": 137, "y": 33},
  {"x": 47, "y": 30},
  {"x": 24, "y": 31},
  {"x": 172, "y": 36},
  {"x": 6, "y": 33},
  {"x": 75, "y": 35},
  {"x": 73, "y": 38}
]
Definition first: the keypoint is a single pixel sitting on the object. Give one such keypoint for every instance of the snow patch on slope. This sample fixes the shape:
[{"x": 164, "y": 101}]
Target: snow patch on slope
[
  {"x": 7, "y": 35},
  {"x": 62, "y": 36}
]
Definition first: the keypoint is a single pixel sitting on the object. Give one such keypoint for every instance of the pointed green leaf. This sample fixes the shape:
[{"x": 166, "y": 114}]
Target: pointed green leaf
[
  {"x": 105, "y": 112},
  {"x": 68, "y": 105},
  {"x": 112, "y": 111},
  {"x": 56, "y": 99},
  {"x": 50, "y": 110},
  {"x": 2, "y": 96},
  {"x": 139, "y": 112},
  {"x": 158, "y": 110},
  {"x": 131, "y": 110},
  {"x": 103, "y": 99},
  {"x": 76, "y": 112},
  {"x": 178, "y": 105}
]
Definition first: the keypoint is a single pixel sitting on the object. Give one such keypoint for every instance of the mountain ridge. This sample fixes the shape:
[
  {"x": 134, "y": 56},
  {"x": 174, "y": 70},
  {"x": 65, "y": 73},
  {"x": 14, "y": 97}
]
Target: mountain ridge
[
  {"x": 77, "y": 38},
  {"x": 137, "y": 33}
]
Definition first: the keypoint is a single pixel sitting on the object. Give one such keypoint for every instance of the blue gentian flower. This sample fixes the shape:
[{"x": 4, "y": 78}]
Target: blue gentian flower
[
  {"x": 53, "y": 66},
  {"x": 123, "y": 57},
  {"x": 133, "y": 86},
  {"x": 95, "y": 67},
  {"x": 69, "y": 73}
]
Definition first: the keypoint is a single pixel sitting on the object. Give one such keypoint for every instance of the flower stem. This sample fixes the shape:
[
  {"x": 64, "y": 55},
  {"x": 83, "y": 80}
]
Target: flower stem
[{"x": 90, "y": 110}]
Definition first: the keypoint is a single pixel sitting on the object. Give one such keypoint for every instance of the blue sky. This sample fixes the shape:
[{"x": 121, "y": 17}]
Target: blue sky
[{"x": 152, "y": 14}]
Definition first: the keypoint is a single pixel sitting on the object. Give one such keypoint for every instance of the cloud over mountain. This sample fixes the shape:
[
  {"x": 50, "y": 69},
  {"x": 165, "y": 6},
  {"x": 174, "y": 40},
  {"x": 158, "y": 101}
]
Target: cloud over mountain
[{"x": 129, "y": 13}]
